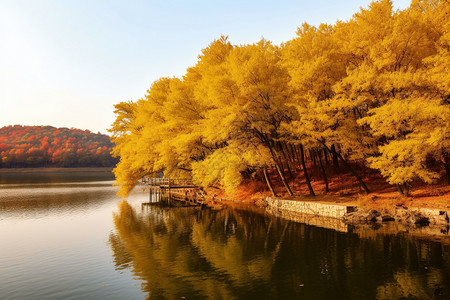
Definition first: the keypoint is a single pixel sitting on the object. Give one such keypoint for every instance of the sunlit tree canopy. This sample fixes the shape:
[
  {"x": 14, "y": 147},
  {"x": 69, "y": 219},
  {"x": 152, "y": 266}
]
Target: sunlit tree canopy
[{"x": 373, "y": 90}]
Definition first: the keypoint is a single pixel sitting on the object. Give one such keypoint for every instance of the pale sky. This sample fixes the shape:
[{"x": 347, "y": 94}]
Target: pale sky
[{"x": 65, "y": 63}]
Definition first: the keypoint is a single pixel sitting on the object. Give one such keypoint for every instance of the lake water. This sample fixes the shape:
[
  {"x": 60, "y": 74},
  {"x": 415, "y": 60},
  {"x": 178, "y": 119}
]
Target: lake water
[{"x": 68, "y": 236}]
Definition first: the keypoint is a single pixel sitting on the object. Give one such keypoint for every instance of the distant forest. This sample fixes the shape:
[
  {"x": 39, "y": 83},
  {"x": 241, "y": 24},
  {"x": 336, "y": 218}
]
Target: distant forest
[{"x": 47, "y": 146}]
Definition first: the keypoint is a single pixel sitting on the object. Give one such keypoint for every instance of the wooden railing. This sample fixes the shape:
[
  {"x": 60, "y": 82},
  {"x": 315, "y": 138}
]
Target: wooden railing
[{"x": 167, "y": 182}]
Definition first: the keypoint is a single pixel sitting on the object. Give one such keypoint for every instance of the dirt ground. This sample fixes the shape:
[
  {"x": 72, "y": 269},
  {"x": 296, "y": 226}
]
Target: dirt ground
[{"x": 344, "y": 189}]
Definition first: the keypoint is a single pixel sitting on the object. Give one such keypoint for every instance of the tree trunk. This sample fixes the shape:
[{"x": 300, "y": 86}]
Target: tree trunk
[
  {"x": 308, "y": 182},
  {"x": 334, "y": 157},
  {"x": 325, "y": 155},
  {"x": 447, "y": 168},
  {"x": 400, "y": 189},
  {"x": 269, "y": 184},
  {"x": 361, "y": 182},
  {"x": 280, "y": 172},
  {"x": 292, "y": 153},
  {"x": 291, "y": 176},
  {"x": 283, "y": 179},
  {"x": 288, "y": 153},
  {"x": 323, "y": 171},
  {"x": 312, "y": 154},
  {"x": 406, "y": 189},
  {"x": 298, "y": 157}
]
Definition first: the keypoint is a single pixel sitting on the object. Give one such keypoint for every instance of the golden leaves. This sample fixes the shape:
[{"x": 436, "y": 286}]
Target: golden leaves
[{"x": 376, "y": 86}]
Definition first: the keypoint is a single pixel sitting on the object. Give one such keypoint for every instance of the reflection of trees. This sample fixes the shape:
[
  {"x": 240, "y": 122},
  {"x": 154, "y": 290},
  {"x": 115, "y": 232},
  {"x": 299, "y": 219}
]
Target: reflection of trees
[
  {"x": 205, "y": 254},
  {"x": 162, "y": 260},
  {"x": 239, "y": 251},
  {"x": 405, "y": 285},
  {"x": 236, "y": 253}
]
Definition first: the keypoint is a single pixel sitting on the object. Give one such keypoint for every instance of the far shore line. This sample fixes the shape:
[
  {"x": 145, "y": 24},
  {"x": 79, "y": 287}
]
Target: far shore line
[{"x": 55, "y": 170}]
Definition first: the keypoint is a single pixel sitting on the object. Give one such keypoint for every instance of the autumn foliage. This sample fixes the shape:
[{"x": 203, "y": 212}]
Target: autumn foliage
[
  {"x": 47, "y": 146},
  {"x": 372, "y": 92}
]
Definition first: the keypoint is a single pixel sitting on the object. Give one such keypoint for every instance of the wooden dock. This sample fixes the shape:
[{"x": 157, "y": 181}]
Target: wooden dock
[
  {"x": 169, "y": 183},
  {"x": 168, "y": 190}
]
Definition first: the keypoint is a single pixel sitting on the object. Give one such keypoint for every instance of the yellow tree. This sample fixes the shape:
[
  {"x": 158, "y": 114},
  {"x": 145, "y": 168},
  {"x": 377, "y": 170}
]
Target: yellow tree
[
  {"x": 374, "y": 88},
  {"x": 168, "y": 138},
  {"x": 316, "y": 63},
  {"x": 160, "y": 136},
  {"x": 125, "y": 134},
  {"x": 408, "y": 113},
  {"x": 437, "y": 71},
  {"x": 248, "y": 105}
]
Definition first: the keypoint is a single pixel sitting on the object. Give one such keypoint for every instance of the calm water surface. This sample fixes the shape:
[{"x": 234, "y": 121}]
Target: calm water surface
[{"x": 62, "y": 237}]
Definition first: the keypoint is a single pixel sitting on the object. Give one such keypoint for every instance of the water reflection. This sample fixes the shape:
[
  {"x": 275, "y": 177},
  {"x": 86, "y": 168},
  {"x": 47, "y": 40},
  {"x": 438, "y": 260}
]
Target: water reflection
[
  {"x": 26, "y": 200},
  {"x": 57, "y": 239},
  {"x": 50, "y": 175},
  {"x": 193, "y": 252},
  {"x": 405, "y": 285},
  {"x": 237, "y": 253},
  {"x": 54, "y": 240}
]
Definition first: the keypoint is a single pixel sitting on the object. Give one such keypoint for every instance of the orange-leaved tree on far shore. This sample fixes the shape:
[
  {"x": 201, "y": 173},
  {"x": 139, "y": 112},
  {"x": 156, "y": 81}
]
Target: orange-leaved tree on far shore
[{"x": 47, "y": 146}]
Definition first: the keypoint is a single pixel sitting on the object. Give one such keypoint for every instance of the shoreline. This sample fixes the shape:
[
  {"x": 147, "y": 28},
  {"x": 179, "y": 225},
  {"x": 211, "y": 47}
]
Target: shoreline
[
  {"x": 358, "y": 212},
  {"x": 415, "y": 222},
  {"x": 55, "y": 170},
  {"x": 354, "y": 214},
  {"x": 339, "y": 216}
]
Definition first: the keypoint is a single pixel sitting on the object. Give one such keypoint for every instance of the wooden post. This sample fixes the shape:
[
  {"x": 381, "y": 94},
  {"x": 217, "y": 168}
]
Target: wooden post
[{"x": 150, "y": 195}]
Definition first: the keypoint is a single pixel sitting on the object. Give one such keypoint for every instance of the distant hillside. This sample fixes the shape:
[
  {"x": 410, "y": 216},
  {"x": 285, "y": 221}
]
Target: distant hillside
[{"x": 47, "y": 146}]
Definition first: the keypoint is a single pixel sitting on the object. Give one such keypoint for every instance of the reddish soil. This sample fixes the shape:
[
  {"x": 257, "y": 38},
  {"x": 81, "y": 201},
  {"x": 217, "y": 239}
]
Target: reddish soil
[{"x": 344, "y": 189}]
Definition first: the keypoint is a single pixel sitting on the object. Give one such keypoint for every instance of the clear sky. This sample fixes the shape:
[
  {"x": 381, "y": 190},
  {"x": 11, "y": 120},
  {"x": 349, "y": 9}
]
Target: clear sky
[{"x": 65, "y": 63}]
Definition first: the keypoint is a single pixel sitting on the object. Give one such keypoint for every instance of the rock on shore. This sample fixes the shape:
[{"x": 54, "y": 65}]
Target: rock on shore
[{"x": 399, "y": 214}]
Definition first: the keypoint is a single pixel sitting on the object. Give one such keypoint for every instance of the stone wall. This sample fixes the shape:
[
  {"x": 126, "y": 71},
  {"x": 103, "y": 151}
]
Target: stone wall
[
  {"x": 311, "y": 208},
  {"x": 337, "y": 217},
  {"x": 313, "y": 220},
  {"x": 312, "y": 213}
]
